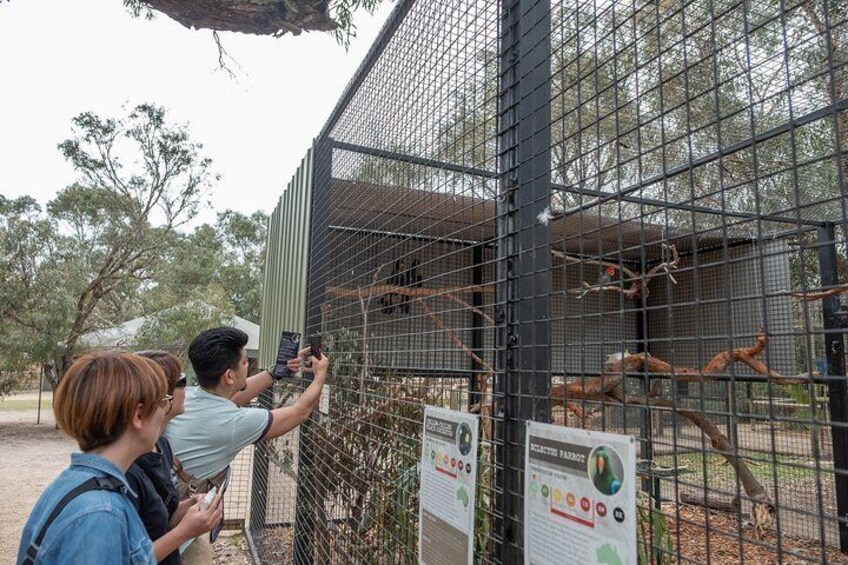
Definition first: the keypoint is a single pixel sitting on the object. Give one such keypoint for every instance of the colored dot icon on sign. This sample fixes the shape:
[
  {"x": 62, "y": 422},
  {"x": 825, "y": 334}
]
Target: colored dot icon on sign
[
  {"x": 468, "y": 468},
  {"x": 446, "y": 459},
  {"x": 432, "y": 455},
  {"x": 618, "y": 514},
  {"x": 601, "y": 509},
  {"x": 453, "y": 462},
  {"x": 460, "y": 465},
  {"x": 570, "y": 499},
  {"x": 545, "y": 491},
  {"x": 557, "y": 495},
  {"x": 585, "y": 505},
  {"x": 534, "y": 487}
]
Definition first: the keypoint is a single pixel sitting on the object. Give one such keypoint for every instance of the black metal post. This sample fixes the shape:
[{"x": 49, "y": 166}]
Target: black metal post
[
  {"x": 259, "y": 484},
  {"x": 310, "y": 496},
  {"x": 645, "y": 424},
  {"x": 837, "y": 388},
  {"x": 40, "y": 389},
  {"x": 524, "y": 256},
  {"x": 477, "y": 330}
]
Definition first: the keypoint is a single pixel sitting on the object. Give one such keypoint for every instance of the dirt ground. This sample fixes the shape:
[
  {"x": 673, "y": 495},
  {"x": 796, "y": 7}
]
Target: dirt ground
[
  {"x": 31, "y": 455},
  {"x": 705, "y": 536}
]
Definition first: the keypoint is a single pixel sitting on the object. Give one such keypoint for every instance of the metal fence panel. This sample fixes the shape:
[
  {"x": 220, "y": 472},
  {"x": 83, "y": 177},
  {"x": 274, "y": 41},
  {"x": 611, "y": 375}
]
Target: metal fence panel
[{"x": 615, "y": 215}]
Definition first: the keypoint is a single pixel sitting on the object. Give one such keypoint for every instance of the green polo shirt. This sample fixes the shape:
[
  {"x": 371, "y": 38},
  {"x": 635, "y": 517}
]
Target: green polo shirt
[{"x": 211, "y": 432}]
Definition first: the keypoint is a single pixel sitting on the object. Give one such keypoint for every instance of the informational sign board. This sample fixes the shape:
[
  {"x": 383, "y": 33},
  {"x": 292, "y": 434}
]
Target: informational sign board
[
  {"x": 579, "y": 497},
  {"x": 448, "y": 487},
  {"x": 324, "y": 403}
]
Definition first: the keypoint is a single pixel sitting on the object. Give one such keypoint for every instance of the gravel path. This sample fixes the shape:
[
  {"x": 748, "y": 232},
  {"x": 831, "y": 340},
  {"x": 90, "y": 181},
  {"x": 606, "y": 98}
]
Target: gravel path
[{"x": 31, "y": 455}]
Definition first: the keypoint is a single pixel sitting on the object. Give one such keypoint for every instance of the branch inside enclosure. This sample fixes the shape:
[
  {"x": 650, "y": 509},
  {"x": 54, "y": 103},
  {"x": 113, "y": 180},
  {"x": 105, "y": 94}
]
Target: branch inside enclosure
[
  {"x": 638, "y": 283},
  {"x": 375, "y": 289},
  {"x": 812, "y": 296},
  {"x": 609, "y": 386},
  {"x": 571, "y": 259}
]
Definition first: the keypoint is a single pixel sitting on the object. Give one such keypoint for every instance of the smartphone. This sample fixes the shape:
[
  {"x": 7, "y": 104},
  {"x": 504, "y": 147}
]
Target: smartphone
[
  {"x": 213, "y": 535},
  {"x": 289, "y": 346},
  {"x": 314, "y": 342}
]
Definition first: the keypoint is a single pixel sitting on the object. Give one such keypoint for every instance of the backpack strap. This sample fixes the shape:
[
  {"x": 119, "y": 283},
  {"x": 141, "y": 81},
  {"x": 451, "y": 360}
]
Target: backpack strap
[
  {"x": 189, "y": 485},
  {"x": 94, "y": 483}
]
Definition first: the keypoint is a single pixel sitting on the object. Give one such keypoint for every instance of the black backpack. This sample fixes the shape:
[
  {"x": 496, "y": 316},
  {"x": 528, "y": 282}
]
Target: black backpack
[{"x": 94, "y": 483}]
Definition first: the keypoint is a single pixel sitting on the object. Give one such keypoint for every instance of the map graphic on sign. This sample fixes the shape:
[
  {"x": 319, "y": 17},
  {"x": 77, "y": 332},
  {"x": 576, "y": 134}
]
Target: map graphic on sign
[{"x": 607, "y": 554}]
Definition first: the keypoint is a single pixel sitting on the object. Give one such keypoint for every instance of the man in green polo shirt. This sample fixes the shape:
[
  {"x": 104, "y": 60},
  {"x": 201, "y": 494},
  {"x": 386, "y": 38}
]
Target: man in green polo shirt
[{"x": 216, "y": 426}]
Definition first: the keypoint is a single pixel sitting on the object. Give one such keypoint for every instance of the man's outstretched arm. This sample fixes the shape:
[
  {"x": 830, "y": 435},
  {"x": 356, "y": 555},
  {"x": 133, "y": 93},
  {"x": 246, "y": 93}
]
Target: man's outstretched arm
[
  {"x": 260, "y": 381},
  {"x": 288, "y": 418}
]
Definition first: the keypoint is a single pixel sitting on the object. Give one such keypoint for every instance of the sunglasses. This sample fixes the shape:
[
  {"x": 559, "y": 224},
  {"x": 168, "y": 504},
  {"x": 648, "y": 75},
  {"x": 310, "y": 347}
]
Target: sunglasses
[{"x": 182, "y": 381}]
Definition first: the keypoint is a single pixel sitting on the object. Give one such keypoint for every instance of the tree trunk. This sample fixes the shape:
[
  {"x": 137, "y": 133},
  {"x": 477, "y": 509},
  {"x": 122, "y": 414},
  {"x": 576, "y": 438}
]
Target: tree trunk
[{"x": 249, "y": 16}]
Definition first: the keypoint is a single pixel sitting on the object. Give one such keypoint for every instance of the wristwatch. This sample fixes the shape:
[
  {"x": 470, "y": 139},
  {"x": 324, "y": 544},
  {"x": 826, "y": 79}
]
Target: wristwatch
[{"x": 272, "y": 370}]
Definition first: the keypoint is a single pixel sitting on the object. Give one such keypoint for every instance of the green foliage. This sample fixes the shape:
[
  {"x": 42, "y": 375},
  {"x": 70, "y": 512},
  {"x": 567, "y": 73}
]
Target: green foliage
[
  {"x": 11, "y": 381},
  {"x": 382, "y": 455},
  {"x": 653, "y": 534},
  {"x": 370, "y": 451},
  {"x": 485, "y": 502},
  {"x": 173, "y": 329},
  {"x": 199, "y": 279},
  {"x": 35, "y": 267},
  {"x": 80, "y": 264},
  {"x": 139, "y": 9},
  {"x": 343, "y": 10},
  {"x": 221, "y": 264}
]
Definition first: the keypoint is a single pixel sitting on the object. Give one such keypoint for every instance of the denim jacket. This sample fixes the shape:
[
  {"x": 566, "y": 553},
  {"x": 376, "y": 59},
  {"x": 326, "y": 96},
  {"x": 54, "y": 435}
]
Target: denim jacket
[{"x": 95, "y": 527}]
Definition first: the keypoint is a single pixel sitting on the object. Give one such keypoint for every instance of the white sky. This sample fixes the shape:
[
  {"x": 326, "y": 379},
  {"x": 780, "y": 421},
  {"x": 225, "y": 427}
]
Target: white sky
[{"x": 59, "y": 58}]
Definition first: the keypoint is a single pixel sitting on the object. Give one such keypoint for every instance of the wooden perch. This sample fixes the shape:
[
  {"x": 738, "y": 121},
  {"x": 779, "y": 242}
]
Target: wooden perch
[
  {"x": 819, "y": 294},
  {"x": 763, "y": 509},
  {"x": 601, "y": 387},
  {"x": 377, "y": 289},
  {"x": 486, "y": 404},
  {"x": 577, "y": 260},
  {"x": 638, "y": 283},
  {"x": 722, "y": 504},
  {"x": 609, "y": 386},
  {"x": 365, "y": 307}
]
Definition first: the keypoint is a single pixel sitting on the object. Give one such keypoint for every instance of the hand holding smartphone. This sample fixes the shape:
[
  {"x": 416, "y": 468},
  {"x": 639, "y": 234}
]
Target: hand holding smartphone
[{"x": 314, "y": 343}]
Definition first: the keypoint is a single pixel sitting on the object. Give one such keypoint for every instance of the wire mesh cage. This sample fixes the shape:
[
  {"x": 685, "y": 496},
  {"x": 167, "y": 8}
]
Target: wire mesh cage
[{"x": 618, "y": 216}]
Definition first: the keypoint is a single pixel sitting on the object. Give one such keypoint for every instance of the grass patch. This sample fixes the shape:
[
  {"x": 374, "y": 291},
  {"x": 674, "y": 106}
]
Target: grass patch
[
  {"x": 719, "y": 474},
  {"x": 25, "y": 404}
]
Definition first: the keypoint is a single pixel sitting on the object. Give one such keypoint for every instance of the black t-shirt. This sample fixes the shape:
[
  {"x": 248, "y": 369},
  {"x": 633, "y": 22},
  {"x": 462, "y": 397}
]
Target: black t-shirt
[{"x": 151, "y": 477}]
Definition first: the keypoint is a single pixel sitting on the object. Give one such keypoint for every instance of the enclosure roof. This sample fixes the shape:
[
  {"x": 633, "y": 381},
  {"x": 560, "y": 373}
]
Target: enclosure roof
[
  {"x": 442, "y": 215},
  {"x": 124, "y": 335}
]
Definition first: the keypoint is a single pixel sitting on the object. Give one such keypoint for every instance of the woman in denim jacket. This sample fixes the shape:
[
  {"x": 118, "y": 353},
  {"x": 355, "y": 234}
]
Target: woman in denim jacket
[{"x": 113, "y": 405}]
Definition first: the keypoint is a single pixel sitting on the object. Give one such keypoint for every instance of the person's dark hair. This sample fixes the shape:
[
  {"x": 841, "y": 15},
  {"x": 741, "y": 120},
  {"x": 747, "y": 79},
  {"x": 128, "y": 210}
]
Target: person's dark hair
[
  {"x": 213, "y": 352},
  {"x": 169, "y": 362}
]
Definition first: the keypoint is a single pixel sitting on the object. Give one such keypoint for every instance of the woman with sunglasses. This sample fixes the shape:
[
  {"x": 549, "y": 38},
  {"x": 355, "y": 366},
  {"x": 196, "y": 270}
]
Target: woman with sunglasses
[{"x": 168, "y": 521}]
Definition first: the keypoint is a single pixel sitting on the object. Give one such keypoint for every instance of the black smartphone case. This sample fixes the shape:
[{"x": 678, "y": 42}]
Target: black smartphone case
[{"x": 289, "y": 346}]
